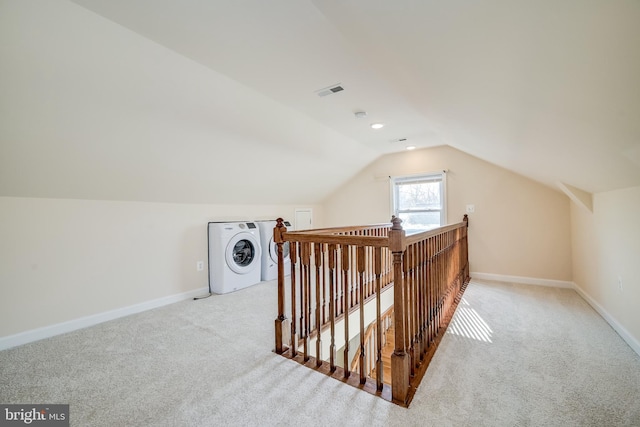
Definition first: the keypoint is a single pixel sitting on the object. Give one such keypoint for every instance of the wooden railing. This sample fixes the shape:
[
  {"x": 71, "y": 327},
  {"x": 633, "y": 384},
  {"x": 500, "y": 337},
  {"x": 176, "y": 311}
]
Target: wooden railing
[{"x": 339, "y": 276}]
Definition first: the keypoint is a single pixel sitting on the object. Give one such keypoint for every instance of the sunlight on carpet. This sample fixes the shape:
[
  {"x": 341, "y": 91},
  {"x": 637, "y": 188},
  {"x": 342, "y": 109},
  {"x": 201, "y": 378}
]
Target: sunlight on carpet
[{"x": 467, "y": 323}]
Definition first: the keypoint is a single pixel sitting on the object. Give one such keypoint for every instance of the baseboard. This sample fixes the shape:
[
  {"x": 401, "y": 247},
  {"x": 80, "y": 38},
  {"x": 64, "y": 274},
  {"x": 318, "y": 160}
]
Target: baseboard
[
  {"x": 83, "y": 322},
  {"x": 523, "y": 280},
  {"x": 621, "y": 330}
]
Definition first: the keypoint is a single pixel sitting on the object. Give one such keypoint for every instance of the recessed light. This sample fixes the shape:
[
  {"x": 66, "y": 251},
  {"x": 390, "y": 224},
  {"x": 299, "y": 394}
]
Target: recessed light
[
  {"x": 411, "y": 147},
  {"x": 377, "y": 126}
]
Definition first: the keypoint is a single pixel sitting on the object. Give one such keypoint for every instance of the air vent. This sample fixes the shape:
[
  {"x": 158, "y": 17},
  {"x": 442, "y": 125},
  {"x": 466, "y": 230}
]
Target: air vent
[
  {"x": 393, "y": 141},
  {"x": 330, "y": 90}
]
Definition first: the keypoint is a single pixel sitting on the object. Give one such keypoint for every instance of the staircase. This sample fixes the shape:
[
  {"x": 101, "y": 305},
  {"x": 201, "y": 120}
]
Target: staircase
[{"x": 387, "y": 351}]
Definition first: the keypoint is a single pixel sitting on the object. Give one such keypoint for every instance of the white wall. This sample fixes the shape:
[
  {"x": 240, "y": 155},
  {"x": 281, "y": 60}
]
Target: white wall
[
  {"x": 63, "y": 259},
  {"x": 92, "y": 110},
  {"x": 519, "y": 228},
  {"x": 606, "y": 247}
]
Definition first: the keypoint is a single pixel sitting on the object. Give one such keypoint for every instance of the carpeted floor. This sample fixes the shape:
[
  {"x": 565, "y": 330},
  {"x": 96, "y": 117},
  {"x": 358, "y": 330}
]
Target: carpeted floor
[{"x": 514, "y": 355}]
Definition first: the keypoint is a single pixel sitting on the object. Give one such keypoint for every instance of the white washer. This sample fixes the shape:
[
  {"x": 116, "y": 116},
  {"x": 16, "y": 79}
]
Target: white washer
[
  {"x": 234, "y": 256},
  {"x": 270, "y": 251}
]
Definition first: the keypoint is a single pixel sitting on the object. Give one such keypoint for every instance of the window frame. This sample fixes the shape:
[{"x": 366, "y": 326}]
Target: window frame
[{"x": 428, "y": 176}]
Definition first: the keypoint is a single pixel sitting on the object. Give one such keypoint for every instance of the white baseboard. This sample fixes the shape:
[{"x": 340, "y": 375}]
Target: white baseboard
[
  {"x": 83, "y": 322},
  {"x": 523, "y": 280},
  {"x": 621, "y": 330}
]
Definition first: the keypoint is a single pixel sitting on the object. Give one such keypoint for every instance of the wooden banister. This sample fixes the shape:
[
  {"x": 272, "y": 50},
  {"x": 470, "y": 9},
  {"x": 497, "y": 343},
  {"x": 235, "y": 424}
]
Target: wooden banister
[{"x": 338, "y": 277}]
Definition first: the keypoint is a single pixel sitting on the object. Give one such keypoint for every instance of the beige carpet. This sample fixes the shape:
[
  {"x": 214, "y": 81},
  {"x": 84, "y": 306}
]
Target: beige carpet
[{"x": 514, "y": 356}]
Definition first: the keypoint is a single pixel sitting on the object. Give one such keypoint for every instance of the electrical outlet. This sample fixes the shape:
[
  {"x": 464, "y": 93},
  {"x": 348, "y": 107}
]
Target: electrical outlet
[
  {"x": 471, "y": 208},
  {"x": 200, "y": 265},
  {"x": 620, "y": 283}
]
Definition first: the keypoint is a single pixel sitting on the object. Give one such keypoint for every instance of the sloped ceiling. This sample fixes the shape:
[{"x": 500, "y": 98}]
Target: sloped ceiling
[{"x": 216, "y": 93}]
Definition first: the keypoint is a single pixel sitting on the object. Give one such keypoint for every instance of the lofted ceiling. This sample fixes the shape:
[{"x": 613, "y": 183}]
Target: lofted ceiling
[{"x": 549, "y": 89}]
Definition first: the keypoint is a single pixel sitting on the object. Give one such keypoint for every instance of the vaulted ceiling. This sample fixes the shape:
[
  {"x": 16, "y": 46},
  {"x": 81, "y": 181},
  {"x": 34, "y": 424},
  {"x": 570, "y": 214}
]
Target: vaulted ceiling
[{"x": 549, "y": 89}]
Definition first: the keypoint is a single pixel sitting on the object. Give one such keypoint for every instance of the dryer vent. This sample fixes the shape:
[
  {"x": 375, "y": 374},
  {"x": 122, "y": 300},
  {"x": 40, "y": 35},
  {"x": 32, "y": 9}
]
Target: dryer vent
[{"x": 330, "y": 90}]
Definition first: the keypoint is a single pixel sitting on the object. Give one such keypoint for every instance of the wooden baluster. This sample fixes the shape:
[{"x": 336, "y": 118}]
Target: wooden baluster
[
  {"x": 377, "y": 266},
  {"x": 367, "y": 276},
  {"x": 445, "y": 263},
  {"x": 432, "y": 289},
  {"x": 415, "y": 303},
  {"x": 306, "y": 300},
  {"x": 459, "y": 254},
  {"x": 447, "y": 277},
  {"x": 408, "y": 284},
  {"x": 411, "y": 308},
  {"x": 441, "y": 286},
  {"x": 299, "y": 267},
  {"x": 332, "y": 305},
  {"x": 438, "y": 284},
  {"x": 318, "y": 261},
  {"x": 373, "y": 270},
  {"x": 281, "y": 323},
  {"x": 388, "y": 266},
  {"x": 354, "y": 278},
  {"x": 465, "y": 233},
  {"x": 455, "y": 259},
  {"x": 346, "y": 262},
  {"x": 324, "y": 282},
  {"x": 454, "y": 263},
  {"x": 360, "y": 252},
  {"x": 427, "y": 296},
  {"x": 339, "y": 288},
  {"x": 399, "y": 359},
  {"x": 421, "y": 296},
  {"x": 293, "y": 256},
  {"x": 415, "y": 318}
]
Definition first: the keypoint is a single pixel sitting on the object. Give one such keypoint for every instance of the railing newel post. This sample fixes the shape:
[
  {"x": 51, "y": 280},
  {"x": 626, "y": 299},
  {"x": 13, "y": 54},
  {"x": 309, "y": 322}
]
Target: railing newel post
[
  {"x": 282, "y": 326},
  {"x": 399, "y": 358}
]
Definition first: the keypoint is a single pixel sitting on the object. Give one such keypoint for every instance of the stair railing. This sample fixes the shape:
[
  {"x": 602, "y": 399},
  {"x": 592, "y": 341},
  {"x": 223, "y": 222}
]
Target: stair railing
[{"x": 337, "y": 278}]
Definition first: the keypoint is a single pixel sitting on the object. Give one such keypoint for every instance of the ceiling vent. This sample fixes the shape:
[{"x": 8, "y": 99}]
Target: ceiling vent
[
  {"x": 330, "y": 90},
  {"x": 393, "y": 141}
]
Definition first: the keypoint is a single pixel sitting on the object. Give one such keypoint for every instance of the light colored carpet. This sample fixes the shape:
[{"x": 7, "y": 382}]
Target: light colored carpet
[{"x": 514, "y": 356}]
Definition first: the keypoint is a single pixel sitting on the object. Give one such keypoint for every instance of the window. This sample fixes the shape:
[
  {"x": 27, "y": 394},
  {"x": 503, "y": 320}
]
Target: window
[{"x": 419, "y": 201}]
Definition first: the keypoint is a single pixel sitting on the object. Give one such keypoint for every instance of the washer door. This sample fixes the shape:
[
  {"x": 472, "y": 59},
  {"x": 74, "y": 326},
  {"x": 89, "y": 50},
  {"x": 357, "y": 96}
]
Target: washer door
[
  {"x": 243, "y": 253},
  {"x": 273, "y": 250}
]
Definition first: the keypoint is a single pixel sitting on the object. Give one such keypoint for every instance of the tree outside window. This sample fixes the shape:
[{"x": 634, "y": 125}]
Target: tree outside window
[{"x": 418, "y": 200}]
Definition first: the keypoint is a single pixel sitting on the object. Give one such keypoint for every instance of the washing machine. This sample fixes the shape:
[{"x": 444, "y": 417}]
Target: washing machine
[
  {"x": 270, "y": 251},
  {"x": 235, "y": 256}
]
